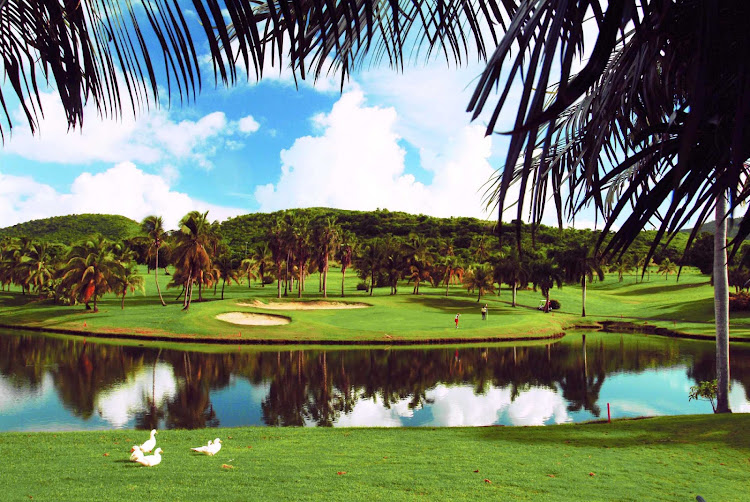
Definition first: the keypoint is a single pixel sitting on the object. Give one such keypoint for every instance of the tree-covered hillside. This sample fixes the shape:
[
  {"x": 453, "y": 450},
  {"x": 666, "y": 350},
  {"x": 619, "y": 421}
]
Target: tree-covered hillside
[{"x": 75, "y": 227}]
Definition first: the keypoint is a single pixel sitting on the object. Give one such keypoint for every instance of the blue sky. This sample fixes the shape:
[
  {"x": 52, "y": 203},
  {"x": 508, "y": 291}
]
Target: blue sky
[{"x": 389, "y": 140}]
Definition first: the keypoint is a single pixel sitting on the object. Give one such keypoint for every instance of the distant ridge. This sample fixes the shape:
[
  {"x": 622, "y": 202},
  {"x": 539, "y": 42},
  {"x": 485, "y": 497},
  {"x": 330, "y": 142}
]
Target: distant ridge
[
  {"x": 710, "y": 227},
  {"x": 74, "y": 227}
]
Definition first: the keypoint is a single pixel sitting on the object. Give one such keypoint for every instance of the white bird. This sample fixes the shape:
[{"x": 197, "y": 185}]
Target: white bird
[
  {"x": 136, "y": 453},
  {"x": 214, "y": 448},
  {"x": 203, "y": 449},
  {"x": 150, "y": 443},
  {"x": 151, "y": 460}
]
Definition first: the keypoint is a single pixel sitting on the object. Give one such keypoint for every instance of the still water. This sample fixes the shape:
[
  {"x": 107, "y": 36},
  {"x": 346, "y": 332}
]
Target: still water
[{"x": 68, "y": 384}]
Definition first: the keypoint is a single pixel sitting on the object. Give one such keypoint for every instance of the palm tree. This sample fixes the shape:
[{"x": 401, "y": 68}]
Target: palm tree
[
  {"x": 91, "y": 270},
  {"x": 190, "y": 255},
  {"x": 153, "y": 227},
  {"x": 370, "y": 261},
  {"x": 276, "y": 245},
  {"x": 582, "y": 263},
  {"x": 480, "y": 279},
  {"x": 667, "y": 267},
  {"x": 452, "y": 270},
  {"x": 251, "y": 269},
  {"x": 346, "y": 255},
  {"x": 40, "y": 267},
  {"x": 224, "y": 264},
  {"x": 513, "y": 272},
  {"x": 418, "y": 260},
  {"x": 545, "y": 274},
  {"x": 327, "y": 241},
  {"x": 127, "y": 278}
]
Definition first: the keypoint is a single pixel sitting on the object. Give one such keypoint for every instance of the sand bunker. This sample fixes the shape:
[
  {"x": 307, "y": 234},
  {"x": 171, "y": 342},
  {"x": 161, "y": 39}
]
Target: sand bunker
[
  {"x": 313, "y": 305},
  {"x": 247, "y": 318}
]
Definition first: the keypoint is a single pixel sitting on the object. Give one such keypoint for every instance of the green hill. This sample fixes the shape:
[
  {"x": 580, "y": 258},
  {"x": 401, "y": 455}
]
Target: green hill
[{"x": 75, "y": 227}]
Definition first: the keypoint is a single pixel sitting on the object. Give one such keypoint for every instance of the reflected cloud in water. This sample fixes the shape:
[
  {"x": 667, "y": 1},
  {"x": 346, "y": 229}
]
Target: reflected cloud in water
[{"x": 52, "y": 384}]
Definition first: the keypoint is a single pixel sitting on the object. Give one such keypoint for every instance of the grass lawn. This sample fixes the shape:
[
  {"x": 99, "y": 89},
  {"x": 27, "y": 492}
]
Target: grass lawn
[
  {"x": 668, "y": 458},
  {"x": 684, "y": 306}
]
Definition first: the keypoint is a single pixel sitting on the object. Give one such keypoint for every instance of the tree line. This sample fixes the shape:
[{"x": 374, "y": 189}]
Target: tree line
[{"x": 294, "y": 245}]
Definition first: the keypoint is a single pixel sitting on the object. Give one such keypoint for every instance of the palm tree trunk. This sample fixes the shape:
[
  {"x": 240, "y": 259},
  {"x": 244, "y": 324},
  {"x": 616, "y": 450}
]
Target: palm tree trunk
[
  {"x": 278, "y": 280},
  {"x": 447, "y": 284},
  {"x": 222, "y": 288},
  {"x": 122, "y": 303},
  {"x": 299, "y": 281},
  {"x": 721, "y": 306},
  {"x": 190, "y": 296},
  {"x": 325, "y": 277},
  {"x": 515, "y": 287},
  {"x": 343, "y": 277},
  {"x": 156, "y": 278},
  {"x": 187, "y": 288},
  {"x": 583, "y": 295}
]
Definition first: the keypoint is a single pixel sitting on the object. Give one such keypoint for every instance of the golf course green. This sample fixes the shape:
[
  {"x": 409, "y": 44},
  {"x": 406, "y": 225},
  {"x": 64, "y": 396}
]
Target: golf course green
[{"x": 656, "y": 304}]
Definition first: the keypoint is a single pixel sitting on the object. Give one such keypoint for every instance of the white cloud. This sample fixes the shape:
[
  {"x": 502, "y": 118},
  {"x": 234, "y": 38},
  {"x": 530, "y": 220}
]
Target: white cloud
[
  {"x": 357, "y": 162},
  {"x": 123, "y": 189},
  {"x": 152, "y": 137},
  {"x": 248, "y": 124}
]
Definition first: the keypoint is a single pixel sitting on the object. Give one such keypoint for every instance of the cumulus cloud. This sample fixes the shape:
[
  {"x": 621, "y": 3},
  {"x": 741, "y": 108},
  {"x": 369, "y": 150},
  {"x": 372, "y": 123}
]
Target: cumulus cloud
[
  {"x": 153, "y": 137},
  {"x": 248, "y": 124},
  {"x": 123, "y": 189},
  {"x": 356, "y": 161}
]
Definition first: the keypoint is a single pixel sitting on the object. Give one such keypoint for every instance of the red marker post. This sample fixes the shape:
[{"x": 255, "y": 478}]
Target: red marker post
[{"x": 609, "y": 417}]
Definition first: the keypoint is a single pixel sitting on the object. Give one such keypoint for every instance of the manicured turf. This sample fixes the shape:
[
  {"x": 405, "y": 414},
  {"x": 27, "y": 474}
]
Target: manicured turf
[
  {"x": 669, "y": 458},
  {"x": 685, "y": 306}
]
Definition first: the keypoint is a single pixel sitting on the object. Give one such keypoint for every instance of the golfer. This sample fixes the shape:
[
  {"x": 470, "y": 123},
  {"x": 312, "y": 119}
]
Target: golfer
[{"x": 457, "y": 320}]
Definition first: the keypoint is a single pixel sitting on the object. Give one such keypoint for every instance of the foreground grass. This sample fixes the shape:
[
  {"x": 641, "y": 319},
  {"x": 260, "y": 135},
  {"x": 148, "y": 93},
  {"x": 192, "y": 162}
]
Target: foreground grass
[
  {"x": 668, "y": 458},
  {"x": 685, "y": 306}
]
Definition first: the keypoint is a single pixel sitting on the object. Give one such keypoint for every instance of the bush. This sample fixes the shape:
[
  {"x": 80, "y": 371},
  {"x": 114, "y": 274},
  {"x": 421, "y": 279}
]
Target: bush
[
  {"x": 554, "y": 304},
  {"x": 739, "y": 302},
  {"x": 268, "y": 279},
  {"x": 362, "y": 287}
]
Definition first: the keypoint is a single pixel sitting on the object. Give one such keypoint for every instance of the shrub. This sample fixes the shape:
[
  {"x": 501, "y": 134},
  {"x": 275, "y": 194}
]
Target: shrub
[
  {"x": 554, "y": 304},
  {"x": 739, "y": 301},
  {"x": 268, "y": 279},
  {"x": 362, "y": 287}
]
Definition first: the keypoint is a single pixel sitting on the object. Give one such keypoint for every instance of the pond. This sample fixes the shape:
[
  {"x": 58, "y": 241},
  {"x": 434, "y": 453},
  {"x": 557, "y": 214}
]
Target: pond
[{"x": 52, "y": 384}]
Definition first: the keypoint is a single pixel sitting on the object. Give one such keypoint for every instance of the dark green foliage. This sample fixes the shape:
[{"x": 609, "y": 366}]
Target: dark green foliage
[
  {"x": 74, "y": 228},
  {"x": 554, "y": 304},
  {"x": 739, "y": 302}
]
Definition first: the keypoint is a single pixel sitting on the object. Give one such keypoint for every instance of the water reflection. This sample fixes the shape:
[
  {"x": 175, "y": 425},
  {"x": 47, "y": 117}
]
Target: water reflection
[{"x": 48, "y": 383}]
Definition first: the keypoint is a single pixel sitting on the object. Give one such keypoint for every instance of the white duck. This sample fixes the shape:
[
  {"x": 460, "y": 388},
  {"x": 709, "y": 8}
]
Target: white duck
[
  {"x": 203, "y": 449},
  {"x": 151, "y": 460},
  {"x": 214, "y": 448},
  {"x": 150, "y": 443},
  {"x": 136, "y": 453}
]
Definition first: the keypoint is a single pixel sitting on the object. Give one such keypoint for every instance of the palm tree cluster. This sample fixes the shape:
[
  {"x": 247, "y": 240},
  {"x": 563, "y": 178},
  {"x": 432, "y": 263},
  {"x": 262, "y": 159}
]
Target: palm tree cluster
[{"x": 80, "y": 274}]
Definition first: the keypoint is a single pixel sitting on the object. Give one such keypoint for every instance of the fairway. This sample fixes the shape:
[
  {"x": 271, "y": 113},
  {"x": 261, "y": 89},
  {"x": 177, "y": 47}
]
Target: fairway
[{"x": 680, "y": 307}]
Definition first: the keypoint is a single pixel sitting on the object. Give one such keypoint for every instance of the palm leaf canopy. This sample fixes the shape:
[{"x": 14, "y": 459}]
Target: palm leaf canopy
[
  {"x": 649, "y": 131},
  {"x": 116, "y": 53},
  {"x": 657, "y": 109}
]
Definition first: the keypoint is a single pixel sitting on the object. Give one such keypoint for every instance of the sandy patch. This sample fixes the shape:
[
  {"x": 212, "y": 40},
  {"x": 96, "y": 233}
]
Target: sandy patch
[
  {"x": 248, "y": 319},
  {"x": 314, "y": 305}
]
